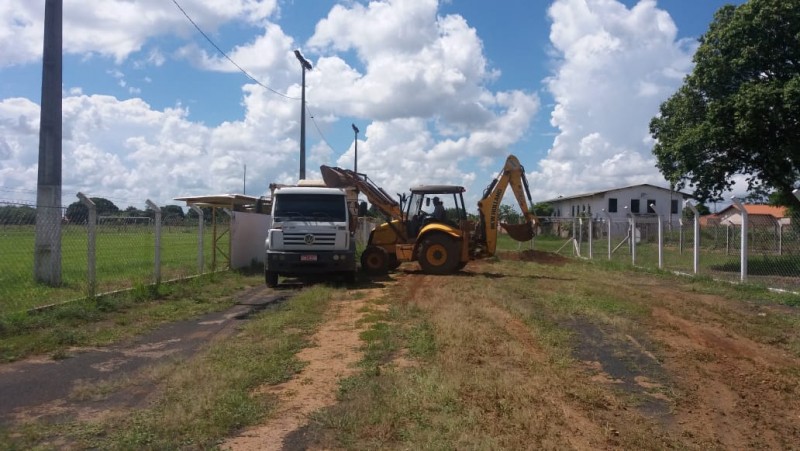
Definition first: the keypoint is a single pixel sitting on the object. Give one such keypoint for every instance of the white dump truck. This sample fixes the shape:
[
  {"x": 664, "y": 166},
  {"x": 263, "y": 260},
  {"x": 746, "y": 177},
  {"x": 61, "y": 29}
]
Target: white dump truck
[{"x": 312, "y": 232}]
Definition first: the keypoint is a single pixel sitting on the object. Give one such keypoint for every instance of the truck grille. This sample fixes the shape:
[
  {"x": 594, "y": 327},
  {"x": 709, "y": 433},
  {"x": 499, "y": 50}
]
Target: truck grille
[{"x": 310, "y": 239}]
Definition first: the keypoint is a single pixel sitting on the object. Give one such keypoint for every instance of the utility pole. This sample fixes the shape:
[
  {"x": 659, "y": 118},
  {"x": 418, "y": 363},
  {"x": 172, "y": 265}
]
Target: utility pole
[
  {"x": 306, "y": 66},
  {"x": 47, "y": 247},
  {"x": 355, "y": 159}
]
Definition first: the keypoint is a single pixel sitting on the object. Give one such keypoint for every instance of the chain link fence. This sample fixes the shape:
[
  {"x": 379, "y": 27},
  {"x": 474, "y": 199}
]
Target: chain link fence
[
  {"x": 770, "y": 254},
  {"x": 111, "y": 253}
]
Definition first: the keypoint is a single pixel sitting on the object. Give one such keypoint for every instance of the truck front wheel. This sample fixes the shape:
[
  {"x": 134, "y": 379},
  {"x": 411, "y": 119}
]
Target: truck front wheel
[
  {"x": 438, "y": 255},
  {"x": 375, "y": 260},
  {"x": 271, "y": 278}
]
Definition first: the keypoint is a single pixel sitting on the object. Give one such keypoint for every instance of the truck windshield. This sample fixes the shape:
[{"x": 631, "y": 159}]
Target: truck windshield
[{"x": 310, "y": 207}]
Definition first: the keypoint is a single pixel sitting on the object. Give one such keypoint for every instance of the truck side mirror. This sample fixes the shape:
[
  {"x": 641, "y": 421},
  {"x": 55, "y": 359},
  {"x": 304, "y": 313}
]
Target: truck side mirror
[
  {"x": 427, "y": 201},
  {"x": 362, "y": 208}
]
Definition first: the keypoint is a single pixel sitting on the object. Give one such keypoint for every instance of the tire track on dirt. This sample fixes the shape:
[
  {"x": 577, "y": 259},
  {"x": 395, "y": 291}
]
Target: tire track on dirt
[
  {"x": 737, "y": 392},
  {"x": 334, "y": 356}
]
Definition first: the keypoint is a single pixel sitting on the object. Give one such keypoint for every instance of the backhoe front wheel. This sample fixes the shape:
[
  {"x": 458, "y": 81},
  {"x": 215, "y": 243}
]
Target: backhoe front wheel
[
  {"x": 439, "y": 255},
  {"x": 271, "y": 278},
  {"x": 375, "y": 261}
]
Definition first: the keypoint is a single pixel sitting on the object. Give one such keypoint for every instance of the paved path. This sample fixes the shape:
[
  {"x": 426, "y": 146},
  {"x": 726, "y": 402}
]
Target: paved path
[{"x": 29, "y": 384}]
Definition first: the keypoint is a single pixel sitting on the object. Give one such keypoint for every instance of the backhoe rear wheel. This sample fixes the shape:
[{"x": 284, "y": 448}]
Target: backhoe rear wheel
[
  {"x": 439, "y": 254},
  {"x": 375, "y": 260}
]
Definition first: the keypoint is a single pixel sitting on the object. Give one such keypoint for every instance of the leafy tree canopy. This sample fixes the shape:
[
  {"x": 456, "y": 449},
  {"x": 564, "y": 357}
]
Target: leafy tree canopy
[
  {"x": 738, "y": 112},
  {"x": 542, "y": 209},
  {"x": 79, "y": 213}
]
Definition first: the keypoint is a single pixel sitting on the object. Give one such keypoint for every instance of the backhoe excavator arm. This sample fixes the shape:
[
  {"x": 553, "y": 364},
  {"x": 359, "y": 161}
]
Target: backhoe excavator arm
[
  {"x": 489, "y": 208},
  {"x": 335, "y": 177}
]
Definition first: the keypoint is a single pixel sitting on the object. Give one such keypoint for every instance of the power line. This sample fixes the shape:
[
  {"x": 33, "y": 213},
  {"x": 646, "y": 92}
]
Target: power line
[
  {"x": 247, "y": 74},
  {"x": 320, "y": 131},
  {"x": 322, "y": 136}
]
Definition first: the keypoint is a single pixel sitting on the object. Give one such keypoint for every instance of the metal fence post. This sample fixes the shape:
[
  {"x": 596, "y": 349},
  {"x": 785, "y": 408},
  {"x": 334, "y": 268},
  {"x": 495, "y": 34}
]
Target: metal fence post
[
  {"x": 591, "y": 238},
  {"x": 744, "y": 253},
  {"x": 632, "y": 222},
  {"x": 696, "y": 251},
  {"x": 157, "y": 272},
  {"x": 200, "y": 261},
  {"x": 608, "y": 219},
  {"x": 660, "y": 239},
  {"x": 91, "y": 253}
]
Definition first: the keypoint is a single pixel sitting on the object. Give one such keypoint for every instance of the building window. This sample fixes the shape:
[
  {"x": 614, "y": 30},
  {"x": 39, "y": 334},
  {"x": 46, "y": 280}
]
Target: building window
[
  {"x": 650, "y": 208},
  {"x": 573, "y": 211},
  {"x": 674, "y": 207},
  {"x": 612, "y": 204},
  {"x": 634, "y": 205}
]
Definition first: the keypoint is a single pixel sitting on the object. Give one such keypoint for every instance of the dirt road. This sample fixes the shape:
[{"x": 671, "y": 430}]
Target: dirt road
[{"x": 664, "y": 365}]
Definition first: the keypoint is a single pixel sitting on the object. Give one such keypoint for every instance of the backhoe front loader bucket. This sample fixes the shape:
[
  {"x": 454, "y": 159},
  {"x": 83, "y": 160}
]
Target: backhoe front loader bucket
[
  {"x": 519, "y": 232},
  {"x": 333, "y": 178}
]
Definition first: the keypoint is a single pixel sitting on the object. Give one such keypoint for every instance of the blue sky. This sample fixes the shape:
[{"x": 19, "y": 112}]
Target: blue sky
[{"x": 441, "y": 91}]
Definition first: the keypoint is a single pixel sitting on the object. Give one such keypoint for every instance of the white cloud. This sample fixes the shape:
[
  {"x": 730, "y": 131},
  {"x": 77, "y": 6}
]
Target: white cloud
[
  {"x": 115, "y": 28},
  {"x": 615, "y": 66},
  {"x": 419, "y": 88}
]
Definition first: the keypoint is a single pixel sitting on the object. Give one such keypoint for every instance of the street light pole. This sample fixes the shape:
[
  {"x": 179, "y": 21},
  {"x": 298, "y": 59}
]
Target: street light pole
[
  {"x": 355, "y": 159},
  {"x": 306, "y": 66}
]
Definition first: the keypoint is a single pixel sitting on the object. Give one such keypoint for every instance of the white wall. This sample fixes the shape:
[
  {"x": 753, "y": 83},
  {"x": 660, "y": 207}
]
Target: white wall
[
  {"x": 644, "y": 194},
  {"x": 248, "y": 233}
]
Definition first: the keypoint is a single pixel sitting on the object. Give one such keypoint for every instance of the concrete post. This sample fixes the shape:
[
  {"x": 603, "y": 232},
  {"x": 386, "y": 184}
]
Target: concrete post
[
  {"x": 157, "y": 271},
  {"x": 47, "y": 246},
  {"x": 200, "y": 261},
  {"x": 608, "y": 221},
  {"x": 591, "y": 239},
  {"x": 696, "y": 252},
  {"x": 91, "y": 239},
  {"x": 632, "y": 222},
  {"x": 660, "y": 239},
  {"x": 744, "y": 251}
]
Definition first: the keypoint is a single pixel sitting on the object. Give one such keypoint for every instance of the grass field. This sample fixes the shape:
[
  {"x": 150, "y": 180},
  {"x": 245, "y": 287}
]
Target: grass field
[
  {"x": 508, "y": 354},
  {"x": 124, "y": 258}
]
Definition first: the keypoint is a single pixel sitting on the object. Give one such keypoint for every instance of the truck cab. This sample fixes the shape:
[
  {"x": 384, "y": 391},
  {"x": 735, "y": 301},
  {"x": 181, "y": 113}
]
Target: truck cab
[{"x": 311, "y": 234}]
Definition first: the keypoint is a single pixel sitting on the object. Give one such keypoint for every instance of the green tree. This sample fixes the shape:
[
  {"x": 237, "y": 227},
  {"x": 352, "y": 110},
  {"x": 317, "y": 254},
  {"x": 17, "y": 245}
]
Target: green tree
[
  {"x": 542, "y": 209},
  {"x": 17, "y": 215},
  {"x": 77, "y": 213},
  {"x": 738, "y": 111},
  {"x": 508, "y": 215}
]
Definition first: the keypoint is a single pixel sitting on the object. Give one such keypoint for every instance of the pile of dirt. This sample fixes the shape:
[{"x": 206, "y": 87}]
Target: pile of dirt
[{"x": 530, "y": 255}]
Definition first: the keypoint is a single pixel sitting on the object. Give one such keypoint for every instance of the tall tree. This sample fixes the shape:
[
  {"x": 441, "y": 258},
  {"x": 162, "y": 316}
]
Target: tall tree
[
  {"x": 738, "y": 111},
  {"x": 77, "y": 213}
]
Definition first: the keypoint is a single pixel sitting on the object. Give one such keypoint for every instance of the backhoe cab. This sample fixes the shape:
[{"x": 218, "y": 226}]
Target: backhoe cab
[{"x": 436, "y": 242}]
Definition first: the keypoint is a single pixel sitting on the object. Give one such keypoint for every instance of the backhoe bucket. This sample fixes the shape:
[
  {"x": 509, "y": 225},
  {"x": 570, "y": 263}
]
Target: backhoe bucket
[
  {"x": 519, "y": 232},
  {"x": 333, "y": 178}
]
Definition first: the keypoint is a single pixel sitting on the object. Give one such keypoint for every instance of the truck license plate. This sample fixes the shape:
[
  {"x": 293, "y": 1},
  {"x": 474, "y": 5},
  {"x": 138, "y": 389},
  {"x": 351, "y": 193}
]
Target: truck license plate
[{"x": 308, "y": 258}]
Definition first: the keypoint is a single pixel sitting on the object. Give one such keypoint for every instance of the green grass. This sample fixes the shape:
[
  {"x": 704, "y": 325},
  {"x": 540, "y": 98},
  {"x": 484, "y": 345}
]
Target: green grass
[
  {"x": 124, "y": 258},
  {"x": 770, "y": 270},
  {"x": 200, "y": 401},
  {"x": 111, "y": 318}
]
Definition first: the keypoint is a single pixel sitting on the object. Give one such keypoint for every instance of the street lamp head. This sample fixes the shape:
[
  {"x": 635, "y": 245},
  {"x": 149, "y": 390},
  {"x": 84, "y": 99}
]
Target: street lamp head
[
  {"x": 355, "y": 129},
  {"x": 304, "y": 62}
]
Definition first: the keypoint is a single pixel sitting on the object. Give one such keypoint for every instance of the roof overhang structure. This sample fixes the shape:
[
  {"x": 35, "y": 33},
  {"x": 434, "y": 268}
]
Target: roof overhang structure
[{"x": 229, "y": 203}]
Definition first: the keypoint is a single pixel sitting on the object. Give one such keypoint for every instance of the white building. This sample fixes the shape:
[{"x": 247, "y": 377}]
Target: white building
[{"x": 643, "y": 201}]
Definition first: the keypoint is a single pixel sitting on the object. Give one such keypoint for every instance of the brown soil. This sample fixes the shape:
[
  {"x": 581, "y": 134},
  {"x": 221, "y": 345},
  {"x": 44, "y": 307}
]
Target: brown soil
[
  {"x": 687, "y": 372},
  {"x": 333, "y": 357}
]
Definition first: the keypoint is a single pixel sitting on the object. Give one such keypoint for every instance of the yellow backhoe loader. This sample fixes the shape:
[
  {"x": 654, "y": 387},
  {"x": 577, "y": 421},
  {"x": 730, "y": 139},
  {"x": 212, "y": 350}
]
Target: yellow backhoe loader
[{"x": 441, "y": 243}]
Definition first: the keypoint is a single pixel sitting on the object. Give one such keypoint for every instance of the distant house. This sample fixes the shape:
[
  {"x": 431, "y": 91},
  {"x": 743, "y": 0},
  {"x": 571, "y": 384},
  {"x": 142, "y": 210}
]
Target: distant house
[
  {"x": 646, "y": 201},
  {"x": 758, "y": 215},
  {"x": 619, "y": 202},
  {"x": 710, "y": 220}
]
